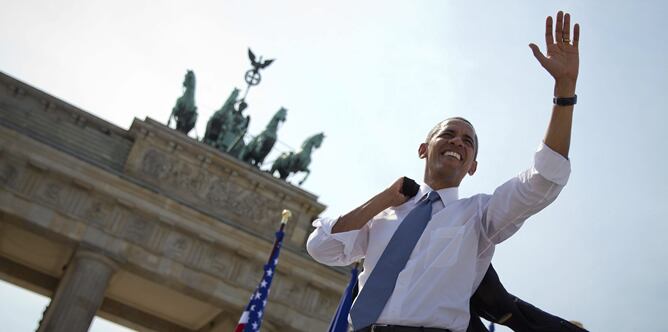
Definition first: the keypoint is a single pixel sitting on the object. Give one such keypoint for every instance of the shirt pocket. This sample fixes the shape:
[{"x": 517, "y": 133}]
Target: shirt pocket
[{"x": 444, "y": 246}]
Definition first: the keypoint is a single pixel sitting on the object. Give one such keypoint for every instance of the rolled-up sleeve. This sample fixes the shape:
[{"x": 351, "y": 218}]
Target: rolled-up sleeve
[
  {"x": 337, "y": 249},
  {"x": 532, "y": 190}
]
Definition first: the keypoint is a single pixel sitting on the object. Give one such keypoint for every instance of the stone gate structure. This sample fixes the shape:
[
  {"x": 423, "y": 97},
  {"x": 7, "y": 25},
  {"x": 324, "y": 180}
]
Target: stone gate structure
[{"x": 146, "y": 227}]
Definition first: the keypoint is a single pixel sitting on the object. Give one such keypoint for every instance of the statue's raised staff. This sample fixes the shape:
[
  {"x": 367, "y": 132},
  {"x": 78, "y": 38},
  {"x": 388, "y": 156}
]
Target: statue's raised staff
[
  {"x": 260, "y": 146},
  {"x": 215, "y": 124},
  {"x": 185, "y": 111},
  {"x": 299, "y": 161}
]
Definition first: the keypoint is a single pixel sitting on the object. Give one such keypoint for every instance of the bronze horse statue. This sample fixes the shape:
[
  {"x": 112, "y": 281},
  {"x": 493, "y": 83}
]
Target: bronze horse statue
[
  {"x": 215, "y": 124},
  {"x": 185, "y": 111},
  {"x": 297, "y": 161},
  {"x": 260, "y": 146}
]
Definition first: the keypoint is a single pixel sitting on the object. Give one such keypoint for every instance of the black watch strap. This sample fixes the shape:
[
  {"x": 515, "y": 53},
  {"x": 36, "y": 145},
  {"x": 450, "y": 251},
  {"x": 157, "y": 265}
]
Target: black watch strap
[{"x": 565, "y": 101}]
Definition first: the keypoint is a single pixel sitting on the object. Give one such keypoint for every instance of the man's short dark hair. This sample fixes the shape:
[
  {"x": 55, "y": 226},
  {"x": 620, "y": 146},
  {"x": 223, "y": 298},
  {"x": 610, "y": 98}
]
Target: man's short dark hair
[{"x": 441, "y": 124}]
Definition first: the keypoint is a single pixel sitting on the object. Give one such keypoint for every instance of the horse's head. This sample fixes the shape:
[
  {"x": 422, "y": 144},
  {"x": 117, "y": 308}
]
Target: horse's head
[
  {"x": 234, "y": 95},
  {"x": 231, "y": 100},
  {"x": 315, "y": 141},
  {"x": 189, "y": 80},
  {"x": 281, "y": 115}
]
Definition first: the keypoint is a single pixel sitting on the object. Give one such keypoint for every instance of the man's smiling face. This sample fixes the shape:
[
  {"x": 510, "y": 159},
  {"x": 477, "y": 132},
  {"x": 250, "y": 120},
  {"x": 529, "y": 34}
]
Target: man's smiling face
[{"x": 450, "y": 154}]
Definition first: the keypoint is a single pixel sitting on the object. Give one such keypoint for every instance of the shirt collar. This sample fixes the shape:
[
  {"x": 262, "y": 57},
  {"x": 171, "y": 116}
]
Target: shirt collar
[{"x": 446, "y": 194}]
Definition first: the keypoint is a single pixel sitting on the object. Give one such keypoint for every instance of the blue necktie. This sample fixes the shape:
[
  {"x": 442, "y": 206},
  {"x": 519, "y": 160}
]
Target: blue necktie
[{"x": 381, "y": 282}]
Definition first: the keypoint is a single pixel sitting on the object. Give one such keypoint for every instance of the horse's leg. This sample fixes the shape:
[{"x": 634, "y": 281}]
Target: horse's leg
[
  {"x": 244, "y": 152},
  {"x": 283, "y": 168},
  {"x": 273, "y": 168},
  {"x": 171, "y": 115},
  {"x": 191, "y": 122},
  {"x": 308, "y": 172}
]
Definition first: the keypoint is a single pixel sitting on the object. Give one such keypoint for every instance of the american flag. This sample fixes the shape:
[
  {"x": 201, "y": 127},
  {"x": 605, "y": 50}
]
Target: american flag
[{"x": 251, "y": 319}]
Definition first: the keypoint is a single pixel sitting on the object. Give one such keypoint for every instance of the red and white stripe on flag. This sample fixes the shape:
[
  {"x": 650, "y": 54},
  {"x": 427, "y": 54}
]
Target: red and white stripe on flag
[{"x": 242, "y": 322}]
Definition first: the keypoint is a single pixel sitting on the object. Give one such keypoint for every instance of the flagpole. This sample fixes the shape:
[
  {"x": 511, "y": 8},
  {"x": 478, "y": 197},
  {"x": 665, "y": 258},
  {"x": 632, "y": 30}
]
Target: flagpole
[{"x": 285, "y": 216}]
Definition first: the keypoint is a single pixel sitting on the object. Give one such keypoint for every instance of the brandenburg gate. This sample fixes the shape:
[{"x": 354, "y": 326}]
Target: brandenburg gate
[{"x": 146, "y": 227}]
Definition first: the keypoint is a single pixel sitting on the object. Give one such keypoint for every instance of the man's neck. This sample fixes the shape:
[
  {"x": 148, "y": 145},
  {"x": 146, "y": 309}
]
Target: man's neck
[{"x": 438, "y": 185}]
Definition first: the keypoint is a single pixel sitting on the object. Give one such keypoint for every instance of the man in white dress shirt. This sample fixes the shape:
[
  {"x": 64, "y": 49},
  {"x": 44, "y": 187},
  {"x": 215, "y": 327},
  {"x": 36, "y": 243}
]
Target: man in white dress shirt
[{"x": 453, "y": 253}]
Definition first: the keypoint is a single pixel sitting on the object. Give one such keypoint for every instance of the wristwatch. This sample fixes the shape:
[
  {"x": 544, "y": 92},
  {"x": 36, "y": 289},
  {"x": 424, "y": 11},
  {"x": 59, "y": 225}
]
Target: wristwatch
[{"x": 565, "y": 101}]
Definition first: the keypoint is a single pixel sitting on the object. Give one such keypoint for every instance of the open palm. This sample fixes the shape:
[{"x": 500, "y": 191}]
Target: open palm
[{"x": 562, "y": 60}]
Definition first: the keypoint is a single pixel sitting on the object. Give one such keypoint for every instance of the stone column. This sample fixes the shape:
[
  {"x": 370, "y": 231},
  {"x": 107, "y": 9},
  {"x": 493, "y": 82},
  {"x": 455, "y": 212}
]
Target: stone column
[{"x": 80, "y": 293}]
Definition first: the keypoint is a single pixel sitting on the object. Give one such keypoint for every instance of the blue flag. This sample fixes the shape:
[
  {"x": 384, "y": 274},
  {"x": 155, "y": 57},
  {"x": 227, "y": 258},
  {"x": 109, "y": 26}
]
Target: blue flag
[{"x": 340, "y": 320}]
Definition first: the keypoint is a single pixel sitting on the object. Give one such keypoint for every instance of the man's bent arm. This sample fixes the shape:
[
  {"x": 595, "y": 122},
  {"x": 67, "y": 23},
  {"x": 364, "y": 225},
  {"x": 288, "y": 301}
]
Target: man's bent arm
[
  {"x": 342, "y": 241},
  {"x": 357, "y": 218}
]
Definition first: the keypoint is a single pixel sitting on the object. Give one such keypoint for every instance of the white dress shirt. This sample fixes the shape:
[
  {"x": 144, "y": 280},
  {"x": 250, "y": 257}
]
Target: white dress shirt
[{"x": 454, "y": 252}]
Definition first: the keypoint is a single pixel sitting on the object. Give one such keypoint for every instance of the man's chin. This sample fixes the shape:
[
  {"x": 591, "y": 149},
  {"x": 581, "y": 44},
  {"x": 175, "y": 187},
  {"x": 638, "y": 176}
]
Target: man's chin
[
  {"x": 448, "y": 166},
  {"x": 444, "y": 172}
]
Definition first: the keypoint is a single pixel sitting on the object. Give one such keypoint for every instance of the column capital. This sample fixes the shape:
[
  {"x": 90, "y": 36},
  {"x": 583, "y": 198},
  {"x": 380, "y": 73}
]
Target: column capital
[{"x": 84, "y": 253}]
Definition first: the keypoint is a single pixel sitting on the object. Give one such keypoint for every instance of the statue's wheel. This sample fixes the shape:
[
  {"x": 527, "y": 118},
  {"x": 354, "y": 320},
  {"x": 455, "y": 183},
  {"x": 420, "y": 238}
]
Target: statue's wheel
[{"x": 253, "y": 77}]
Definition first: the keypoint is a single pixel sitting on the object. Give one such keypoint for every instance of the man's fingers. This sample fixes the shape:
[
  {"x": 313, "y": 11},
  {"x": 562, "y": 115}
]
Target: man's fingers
[
  {"x": 567, "y": 27},
  {"x": 558, "y": 31},
  {"x": 549, "y": 39},
  {"x": 538, "y": 54},
  {"x": 576, "y": 35}
]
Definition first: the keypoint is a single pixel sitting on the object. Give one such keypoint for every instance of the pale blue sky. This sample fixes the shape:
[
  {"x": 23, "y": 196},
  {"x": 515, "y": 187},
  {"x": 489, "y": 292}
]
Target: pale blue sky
[{"x": 375, "y": 76}]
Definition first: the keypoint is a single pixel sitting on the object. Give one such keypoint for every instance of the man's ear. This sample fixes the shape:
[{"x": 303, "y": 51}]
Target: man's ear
[
  {"x": 473, "y": 168},
  {"x": 422, "y": 151}
]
